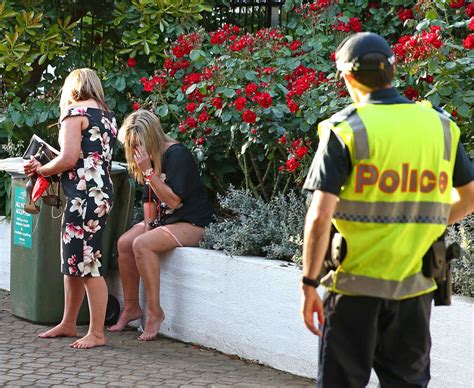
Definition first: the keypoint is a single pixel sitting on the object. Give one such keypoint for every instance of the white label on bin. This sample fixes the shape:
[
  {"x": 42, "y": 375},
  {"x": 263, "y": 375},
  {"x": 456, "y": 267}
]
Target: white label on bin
[{"x": 22, "y": 221}]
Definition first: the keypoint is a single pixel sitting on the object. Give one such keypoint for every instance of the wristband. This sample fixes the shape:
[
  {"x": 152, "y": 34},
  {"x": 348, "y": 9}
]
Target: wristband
[
  {"x": 148, "y": 174},
  {"x": 311, "y": 282}
]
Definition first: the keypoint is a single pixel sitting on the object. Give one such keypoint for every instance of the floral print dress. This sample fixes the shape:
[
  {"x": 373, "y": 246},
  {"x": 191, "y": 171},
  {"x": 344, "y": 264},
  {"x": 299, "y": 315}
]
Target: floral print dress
[{"x": 89, "y": 194}]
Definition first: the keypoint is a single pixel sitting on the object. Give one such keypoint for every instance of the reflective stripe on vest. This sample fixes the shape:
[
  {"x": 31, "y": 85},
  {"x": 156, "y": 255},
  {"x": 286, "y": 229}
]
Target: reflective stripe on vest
[
  {"x": 446, "y": 123},
  {"x": 382, "y": 288},
  {"x": 393, "y": 212},
  {"x": 361, "y": 141}
]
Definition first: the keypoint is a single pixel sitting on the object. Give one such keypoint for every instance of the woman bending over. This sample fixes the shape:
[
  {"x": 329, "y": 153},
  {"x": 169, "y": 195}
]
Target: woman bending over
[{"x": 176, "y": 210}]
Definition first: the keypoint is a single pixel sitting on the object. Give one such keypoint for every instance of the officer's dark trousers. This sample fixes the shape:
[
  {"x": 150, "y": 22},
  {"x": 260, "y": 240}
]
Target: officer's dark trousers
[{"x": 363, "y": 332}]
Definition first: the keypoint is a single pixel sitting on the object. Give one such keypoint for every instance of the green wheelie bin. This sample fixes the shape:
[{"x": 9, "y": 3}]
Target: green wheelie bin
[{"x": 36, "y": 283}]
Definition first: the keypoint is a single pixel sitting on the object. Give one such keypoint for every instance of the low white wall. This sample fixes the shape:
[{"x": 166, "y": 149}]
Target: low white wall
[
  {"x": 5, "y": 238},
  {"x": 250, "y": 307},
  {"x": 246, "y": 306}
]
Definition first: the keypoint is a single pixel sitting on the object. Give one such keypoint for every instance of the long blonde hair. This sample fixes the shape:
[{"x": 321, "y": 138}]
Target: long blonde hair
[
  {"x": 143, "y": 127},
  {"x": 81, "y": 85}
]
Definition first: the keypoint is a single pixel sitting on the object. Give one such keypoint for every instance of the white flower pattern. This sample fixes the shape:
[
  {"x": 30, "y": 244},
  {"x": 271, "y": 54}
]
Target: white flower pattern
[{"x": 88, "y": 188}]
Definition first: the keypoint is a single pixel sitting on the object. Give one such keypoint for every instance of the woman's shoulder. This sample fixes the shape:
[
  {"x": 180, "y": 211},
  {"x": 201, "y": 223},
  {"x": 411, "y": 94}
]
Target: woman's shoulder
[
  {"x": 177, "y": 150},
  {"x": 81, "y": 110}
]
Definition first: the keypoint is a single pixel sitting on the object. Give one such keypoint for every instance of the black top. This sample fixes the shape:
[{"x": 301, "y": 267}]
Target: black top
[
  {"x": 332, "y": 163},
  {"x": 181, "y": 174}
]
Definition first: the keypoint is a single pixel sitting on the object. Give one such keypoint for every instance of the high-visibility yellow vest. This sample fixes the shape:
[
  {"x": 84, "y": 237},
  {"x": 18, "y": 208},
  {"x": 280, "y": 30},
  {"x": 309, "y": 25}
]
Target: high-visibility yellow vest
[{"x": 396, "y": 201}]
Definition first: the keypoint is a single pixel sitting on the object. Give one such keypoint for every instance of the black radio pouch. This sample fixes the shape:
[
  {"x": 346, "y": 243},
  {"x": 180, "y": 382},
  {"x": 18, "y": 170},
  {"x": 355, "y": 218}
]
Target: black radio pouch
[{"x": 437, "y": 264}]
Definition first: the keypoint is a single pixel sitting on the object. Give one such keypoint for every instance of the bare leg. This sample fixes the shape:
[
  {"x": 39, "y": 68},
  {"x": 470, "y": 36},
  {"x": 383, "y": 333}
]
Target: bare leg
[
  {"x": 147, "y": 248},
  {"x": 73, "y": 297},
  {"x": 130, "y": 278},
  {"x": 97, "y": 295}
]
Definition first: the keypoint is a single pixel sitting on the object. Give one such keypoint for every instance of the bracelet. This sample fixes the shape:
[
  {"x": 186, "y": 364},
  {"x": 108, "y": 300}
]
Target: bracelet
[
  {"x": 311, "y": 282},
  {"x": 148, "y": 174}
]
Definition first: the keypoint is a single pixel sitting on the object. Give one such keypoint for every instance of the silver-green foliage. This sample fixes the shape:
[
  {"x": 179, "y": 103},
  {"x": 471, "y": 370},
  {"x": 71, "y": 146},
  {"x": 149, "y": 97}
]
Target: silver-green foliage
[
  {"x": 463, "y": 267},
  {"x": 271, "y": 229}
]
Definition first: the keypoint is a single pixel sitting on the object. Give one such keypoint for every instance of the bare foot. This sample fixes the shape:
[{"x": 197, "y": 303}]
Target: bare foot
[
  {"x": 152, "y": 327},
  {"x": 128, "y": 315},
  {"x": 89, "y": 341},
  {"x": 60, "y": 330}
]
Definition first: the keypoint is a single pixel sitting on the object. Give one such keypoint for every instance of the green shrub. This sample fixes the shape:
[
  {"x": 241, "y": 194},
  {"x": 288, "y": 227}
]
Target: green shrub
[
  {"x": 254, "y": 227},
  {"x": 463, "y": 268}
]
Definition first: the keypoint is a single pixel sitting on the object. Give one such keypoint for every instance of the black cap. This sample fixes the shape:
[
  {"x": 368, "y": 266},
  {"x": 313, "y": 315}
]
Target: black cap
[{"x": 352, "y": 50}]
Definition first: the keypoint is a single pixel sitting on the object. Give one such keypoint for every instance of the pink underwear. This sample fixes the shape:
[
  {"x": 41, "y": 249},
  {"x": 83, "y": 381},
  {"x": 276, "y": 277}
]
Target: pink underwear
[{"x": 164, "y": 228}]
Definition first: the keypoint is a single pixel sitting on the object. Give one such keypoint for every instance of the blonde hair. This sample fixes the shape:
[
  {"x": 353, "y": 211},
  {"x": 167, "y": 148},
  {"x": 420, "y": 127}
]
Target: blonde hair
[
  {"x": 143, "y": 127},
  {"x": 81, "y": 85}
]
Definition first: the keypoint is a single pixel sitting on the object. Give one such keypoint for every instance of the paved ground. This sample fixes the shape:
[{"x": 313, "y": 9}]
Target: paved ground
[{"x": 26, "y": 360}]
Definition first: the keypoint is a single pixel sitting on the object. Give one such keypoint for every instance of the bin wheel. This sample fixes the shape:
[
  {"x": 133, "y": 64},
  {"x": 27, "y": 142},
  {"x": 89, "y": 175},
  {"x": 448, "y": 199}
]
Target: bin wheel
[{"x": 113, "y": 311}]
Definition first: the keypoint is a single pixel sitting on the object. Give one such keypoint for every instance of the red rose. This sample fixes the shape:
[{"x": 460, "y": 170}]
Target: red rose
[
  {"x": 268, "y": 70},
  {"x": 218, "y": 37},
  {"x": 470, "y": 10},
  {"x": 292, "y": 106},
  {"x": 169, "y": 64},
  {"x": 301, "y": 151},
  {"x": 333, "y": 56},
  {"x": 282, "y": 139},
  {"x": 191, "y": 107},
  {"x": 249, "y": 117},
  {"x": 207, "y": 131},
  {"x": 143, "y": 80},
  {"x": 251, "y": 88},
  {"x": 411, "y": 93},
  {"x": 182, "y": 128},
  {"x": 203, "y": 117},
  {"x": 457, "y": 3},
  {"x": 355, "y": 24},
  {"x": 296, "y": 143},
  {"x": 281, "y": 168},
  {"x": 295, "y": 45},
  {"x": 192, "y": 123},
  {"x": 265, "y": 100},
  {"x": 292, "y": 164},
  {"x": 199, "y": 141},
  {"x": 178, "y": 52},
  {"x": 253, "y": 131},
  {"x": 135, "y": 106},
  {"x": 469, "y": 42},
  {"x": 405, "y": 14},
  {"x": 132, "y": 62},
  {"x": 148, "y": 86},
  {"x": 240, "y": 103},
  {"x": 471, "y": 24},
  {"x": 454, "y": 113},
  {"x": 217, "y": 102}
]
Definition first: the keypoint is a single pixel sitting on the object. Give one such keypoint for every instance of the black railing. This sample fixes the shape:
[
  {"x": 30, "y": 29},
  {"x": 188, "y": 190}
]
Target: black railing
[{"x": 249, "y": 14}]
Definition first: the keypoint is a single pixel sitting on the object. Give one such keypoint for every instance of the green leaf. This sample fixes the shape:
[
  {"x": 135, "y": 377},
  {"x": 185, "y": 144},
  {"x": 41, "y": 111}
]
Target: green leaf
[
  {"x": 226, "y": 116},
  {"x": 229, "y": 93},
  {"x": 195, "y": 55},
  {"x": 251, "y": 75},
  {"x": 120, "y": 84},
  {"x": 191, "y": 89},
  {"x": 162, "y": 110}
]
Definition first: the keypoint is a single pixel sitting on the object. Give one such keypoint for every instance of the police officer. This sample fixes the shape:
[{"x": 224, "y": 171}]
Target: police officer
[{"x": 383, "y": 174}]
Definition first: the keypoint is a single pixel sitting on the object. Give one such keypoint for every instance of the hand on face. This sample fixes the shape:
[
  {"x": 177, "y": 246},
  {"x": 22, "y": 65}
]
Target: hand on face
[
  {"x": 31, "y": 166},
  {"x": 142, "y": 158}
]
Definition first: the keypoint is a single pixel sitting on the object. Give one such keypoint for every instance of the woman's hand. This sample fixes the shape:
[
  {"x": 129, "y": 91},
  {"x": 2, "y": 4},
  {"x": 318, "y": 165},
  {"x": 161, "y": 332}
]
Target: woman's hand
[
  {"x": 31, "y": 166},
  {"x": 142, "y": 158}
]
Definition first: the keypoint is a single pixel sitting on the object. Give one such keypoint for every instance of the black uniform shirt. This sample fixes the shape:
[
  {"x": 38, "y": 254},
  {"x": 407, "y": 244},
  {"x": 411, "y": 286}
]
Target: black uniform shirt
[{"x": 332, "y": 163}]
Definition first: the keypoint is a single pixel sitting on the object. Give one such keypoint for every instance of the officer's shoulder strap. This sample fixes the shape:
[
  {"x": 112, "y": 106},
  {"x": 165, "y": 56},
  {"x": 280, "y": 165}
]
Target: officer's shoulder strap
[
  {"x": 342, "y": 115},
  {"x": 436, "y": 108}
]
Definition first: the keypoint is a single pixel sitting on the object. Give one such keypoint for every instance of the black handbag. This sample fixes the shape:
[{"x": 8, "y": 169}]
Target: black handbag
[{"x": 43, "y": 153}]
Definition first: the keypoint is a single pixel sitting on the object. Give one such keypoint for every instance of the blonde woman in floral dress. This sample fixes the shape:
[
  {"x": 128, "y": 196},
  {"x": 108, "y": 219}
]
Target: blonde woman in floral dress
[{"x": 87, "y": 136}]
